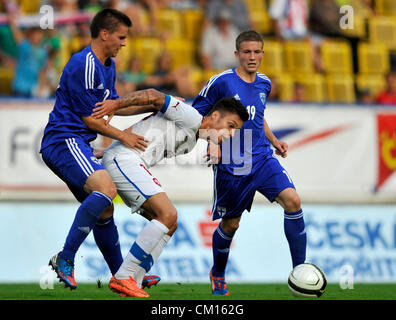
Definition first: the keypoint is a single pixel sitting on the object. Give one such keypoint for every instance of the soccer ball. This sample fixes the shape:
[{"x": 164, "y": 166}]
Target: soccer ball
[{"x": 307, "y": 280}]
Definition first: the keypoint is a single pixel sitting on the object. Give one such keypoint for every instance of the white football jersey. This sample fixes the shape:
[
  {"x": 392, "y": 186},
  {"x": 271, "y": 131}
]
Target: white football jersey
[{"x": 170, "y": 132}]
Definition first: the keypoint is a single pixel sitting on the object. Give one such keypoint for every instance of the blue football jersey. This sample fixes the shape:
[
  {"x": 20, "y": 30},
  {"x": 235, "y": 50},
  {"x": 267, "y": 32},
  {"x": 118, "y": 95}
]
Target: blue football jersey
[
  {"x": 249, "y": 144},
  {"x": 84, "y": 82}
]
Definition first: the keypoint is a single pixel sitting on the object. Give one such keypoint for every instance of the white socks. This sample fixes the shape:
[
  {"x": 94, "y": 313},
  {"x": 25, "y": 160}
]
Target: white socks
[
  {"x": 141, "y": 272},
  {"x": 140, "y": 256}
]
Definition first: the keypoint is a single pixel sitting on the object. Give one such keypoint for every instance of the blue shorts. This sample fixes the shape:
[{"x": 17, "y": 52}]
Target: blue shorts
[
  {"x": 73, "y": 161},
  {"x": 234, "y": 194}
]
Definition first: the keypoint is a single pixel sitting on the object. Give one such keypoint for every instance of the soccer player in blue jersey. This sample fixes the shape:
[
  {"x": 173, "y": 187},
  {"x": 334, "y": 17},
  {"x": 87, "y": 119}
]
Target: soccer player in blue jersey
[
  {"x": 87, "y": 78},
  {"x": 253, "y": 167}
]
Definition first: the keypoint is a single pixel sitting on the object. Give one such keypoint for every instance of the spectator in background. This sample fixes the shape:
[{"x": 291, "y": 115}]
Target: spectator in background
[
  {"x": 8, "y": 47},
  {"x": 130, "y": 80},
  {"x": 170, "y": 81},
  {"x": 31, "y": 58},
  {"x": 365, "y": 97},
  {"x": 299, "y": 92},
  {"x": 237, "y": 8},
  {"x": 274, "y": 93},
  {"x": 163, "y": 78},
  {"x": 63, "y": 5},
  {"x": 136, "y": 10},
  {"x": 290, "y": 20},
  {"x": 324, "y": 22},
  {"x": 49, "y": 77},
  {"x": 362, "y": 8},
  {"x": 388, "y": 96},
  {"x": 324, "y": 19},
  {"x": 93, "y": 6},
  {"x": 218, "y": 43},
  {"x": 52, "y": 43},
  {"x": 82, "y": 37}
]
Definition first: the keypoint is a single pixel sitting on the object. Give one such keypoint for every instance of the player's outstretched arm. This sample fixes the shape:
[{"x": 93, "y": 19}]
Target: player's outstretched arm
[
  {"x": 133, "y": 103},
  {"x": 127, "y": 138}
]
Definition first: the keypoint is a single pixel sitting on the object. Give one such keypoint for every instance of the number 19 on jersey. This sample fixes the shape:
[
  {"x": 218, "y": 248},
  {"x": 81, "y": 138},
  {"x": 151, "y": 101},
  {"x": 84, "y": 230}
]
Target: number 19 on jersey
[{"x": 252, "y": 112}]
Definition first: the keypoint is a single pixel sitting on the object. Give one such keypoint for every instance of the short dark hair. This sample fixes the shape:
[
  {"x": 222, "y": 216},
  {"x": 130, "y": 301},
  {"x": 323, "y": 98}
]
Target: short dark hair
[
  {"x": 108, "y": 19},
  {"x": 230, "y": 105},
  {"x": 248, "y": 35}
]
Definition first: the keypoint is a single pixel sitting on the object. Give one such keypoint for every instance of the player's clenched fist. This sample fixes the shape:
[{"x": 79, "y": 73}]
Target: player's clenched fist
[{"x": 281, "y": 149}]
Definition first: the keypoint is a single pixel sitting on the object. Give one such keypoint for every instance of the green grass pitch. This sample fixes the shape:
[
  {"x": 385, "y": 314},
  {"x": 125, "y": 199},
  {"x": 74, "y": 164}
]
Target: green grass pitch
[{"x": 190, "y": 291}]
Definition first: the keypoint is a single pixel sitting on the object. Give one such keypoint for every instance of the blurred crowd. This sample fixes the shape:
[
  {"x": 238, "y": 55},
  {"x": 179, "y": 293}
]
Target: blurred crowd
[{"x": 176, "y": 46}]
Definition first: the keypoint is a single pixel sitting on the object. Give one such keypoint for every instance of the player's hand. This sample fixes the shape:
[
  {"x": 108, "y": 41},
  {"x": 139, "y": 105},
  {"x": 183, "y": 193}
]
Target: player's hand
[
  {"x": 281, "y": 149},
  {"x": 98, "y": 153},
  {"x": 213, "y": 153},
  {"x": 134, "y": 141},
  {"x": 105, "y": 108},
  {"x": 180, "y": 98}
]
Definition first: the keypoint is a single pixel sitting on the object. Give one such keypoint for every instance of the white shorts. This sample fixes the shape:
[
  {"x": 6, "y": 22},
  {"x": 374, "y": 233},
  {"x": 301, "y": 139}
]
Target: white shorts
[{"x": 135, "y": 184}]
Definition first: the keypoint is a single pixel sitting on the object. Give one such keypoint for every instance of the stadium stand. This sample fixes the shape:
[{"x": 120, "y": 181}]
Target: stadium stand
[
  {"x": 373, "y": 58},
  {"x": 374, "y": 83},
  {"x": 148, "y": 50},
  {"x": 29, "y": 6},
  {"x": 298, "y": 57},
  {"x": 336, "y": 57},
  {"x": 286, "y": 87},
  {"x": 181, "y": 50},
  {"x": 179, "y": 31},
  {"x": 170, "y": 21},
  {"x": 385, "y": 7},
  {"x": 340, "y": 88},
  {"x": 382, "y": 29},
  {"x": 192, "y": 20},
  {"x": 273, "y": 62},
  {"x": 314, "y": 87},
  {"x": 359, "y": 28}
]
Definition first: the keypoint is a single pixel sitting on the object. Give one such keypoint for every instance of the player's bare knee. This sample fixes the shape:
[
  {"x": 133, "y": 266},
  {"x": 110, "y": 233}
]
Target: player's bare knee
[
  {"x": 230, "y": 226},
  {"x": 167, "y": 216},
  {"x": 101, "y": 181},
  {"x": 109, "y": 190},
  {"x": 108, "y": 187},
  {"x": 293, "y": 203}
]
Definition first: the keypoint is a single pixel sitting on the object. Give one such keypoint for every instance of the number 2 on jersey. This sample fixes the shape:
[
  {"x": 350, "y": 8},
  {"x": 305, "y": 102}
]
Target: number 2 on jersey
[
  {"x": 252, "y": 112},
  {"x": 106, "y": 95}
]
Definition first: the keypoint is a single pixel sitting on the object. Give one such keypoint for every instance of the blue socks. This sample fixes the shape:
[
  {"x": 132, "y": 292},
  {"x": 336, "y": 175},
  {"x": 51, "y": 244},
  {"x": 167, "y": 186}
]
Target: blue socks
[
  {"x": 106, "y": 237},
  {"x": 221, "y": 244},
  {"x": 294, "y": 228},
  {"x": 86, "y": 217}
]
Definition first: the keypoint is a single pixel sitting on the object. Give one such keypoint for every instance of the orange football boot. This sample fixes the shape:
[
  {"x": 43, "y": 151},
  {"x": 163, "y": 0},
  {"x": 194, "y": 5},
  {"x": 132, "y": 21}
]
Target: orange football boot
[{"x": 127, "y": 287}]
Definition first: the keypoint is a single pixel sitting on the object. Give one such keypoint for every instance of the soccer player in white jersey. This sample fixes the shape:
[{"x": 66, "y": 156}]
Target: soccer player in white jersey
[{"x": 172, "y": 130}]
